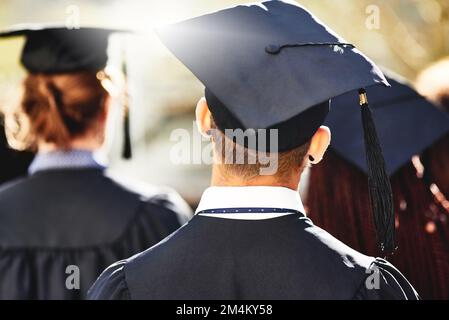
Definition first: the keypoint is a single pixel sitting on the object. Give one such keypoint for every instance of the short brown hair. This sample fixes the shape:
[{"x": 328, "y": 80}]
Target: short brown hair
[
  {"x": 60, "y": 107},
  {"x": 286, "y": 160}
]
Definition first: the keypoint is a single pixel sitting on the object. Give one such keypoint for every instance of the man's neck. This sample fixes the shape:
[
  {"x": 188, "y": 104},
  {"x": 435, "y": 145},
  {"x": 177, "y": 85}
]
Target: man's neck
[{"x": 219, "y": 179}]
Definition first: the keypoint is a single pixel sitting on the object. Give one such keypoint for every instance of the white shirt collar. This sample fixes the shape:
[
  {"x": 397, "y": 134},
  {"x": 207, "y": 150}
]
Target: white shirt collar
[{"x": 250, "y": 197}]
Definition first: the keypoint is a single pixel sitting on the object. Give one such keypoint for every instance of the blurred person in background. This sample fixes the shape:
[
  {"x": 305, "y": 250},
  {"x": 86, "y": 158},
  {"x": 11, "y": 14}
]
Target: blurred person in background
[
  {"x": 67, "y": 220},
  {"x": 408, "y": 125},
  {"x": 13, "y": 163},
  {"x": 433, "y": 83},
  {"x": 249, "y": 238}
]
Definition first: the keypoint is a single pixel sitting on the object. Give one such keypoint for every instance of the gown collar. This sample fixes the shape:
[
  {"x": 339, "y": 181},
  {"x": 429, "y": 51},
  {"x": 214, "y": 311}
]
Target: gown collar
[
  {"x": 249, "y": 203},
  {"x": 71, "y": 159}
]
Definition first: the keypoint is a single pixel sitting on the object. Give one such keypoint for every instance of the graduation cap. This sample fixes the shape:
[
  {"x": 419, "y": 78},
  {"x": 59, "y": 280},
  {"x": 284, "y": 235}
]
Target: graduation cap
[
  {"x": 273, "y": 65},
  {"x": 52, "y": 49},
  {"x": 406, "y": 123}
]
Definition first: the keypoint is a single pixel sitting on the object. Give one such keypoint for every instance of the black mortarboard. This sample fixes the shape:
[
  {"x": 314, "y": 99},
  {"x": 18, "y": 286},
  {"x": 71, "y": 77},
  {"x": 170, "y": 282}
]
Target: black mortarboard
[
  {"x": 56, "y": 49},
  {"x": 268, "y": 65},
  {"x": 51, "y": 49},
  {"x": 406, "y": 123}
]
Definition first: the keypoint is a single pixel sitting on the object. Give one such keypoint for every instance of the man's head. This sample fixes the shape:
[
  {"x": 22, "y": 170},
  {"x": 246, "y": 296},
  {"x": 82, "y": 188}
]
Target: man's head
[
  {"x": 235, "y": 164},
  {"x": 433, "y": 83}
]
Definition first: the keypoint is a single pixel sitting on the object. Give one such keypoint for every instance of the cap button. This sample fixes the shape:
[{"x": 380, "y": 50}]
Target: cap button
[{"x": 273, "y": 49}]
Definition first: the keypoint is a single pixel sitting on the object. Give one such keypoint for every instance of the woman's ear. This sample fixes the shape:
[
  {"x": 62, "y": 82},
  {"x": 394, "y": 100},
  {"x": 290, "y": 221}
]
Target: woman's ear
[
  {"x": 203, "y": 117},
  {"x": 319, "y": 144}
]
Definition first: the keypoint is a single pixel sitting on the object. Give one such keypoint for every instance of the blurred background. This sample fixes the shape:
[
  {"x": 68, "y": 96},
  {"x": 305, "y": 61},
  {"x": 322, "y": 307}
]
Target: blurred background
[{"x": 404, "y": 36}]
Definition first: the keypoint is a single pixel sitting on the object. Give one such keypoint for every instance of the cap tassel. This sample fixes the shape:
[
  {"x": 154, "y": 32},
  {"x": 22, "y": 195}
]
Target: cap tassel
[
  {"x": 127, "y": 149},
  {"x": 127, "y": 152},
  {"x": 380, "y": 192}
]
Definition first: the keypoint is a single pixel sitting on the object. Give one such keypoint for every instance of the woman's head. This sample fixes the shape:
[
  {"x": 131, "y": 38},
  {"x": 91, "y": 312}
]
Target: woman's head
[{"x": 64, "y": 109}]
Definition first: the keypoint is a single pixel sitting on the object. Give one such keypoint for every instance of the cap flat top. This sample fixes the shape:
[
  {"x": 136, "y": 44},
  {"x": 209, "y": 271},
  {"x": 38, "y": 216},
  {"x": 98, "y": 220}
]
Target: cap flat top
[
  {"x": 55, "y": 49},
  {"x": 270, "y": 61},
  {"x": 406, "y": 124},
  {"x": 23, "y": 29}
]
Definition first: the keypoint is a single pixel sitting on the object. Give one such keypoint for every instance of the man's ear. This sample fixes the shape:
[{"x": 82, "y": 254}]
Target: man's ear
[
  {"x": 203, "y": 117},
  {"x": 319, "y": 144}
]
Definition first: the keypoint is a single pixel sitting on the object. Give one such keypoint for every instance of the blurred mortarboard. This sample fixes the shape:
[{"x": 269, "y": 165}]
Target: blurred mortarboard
[
  {"x": 52, "y": 49},
  {"x": 273, "y": 65},
  {"x": 57, "y": 49},
  {"x": 406, "y": 124}
]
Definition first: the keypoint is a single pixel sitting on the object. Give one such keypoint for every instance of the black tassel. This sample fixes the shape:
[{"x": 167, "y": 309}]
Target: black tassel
[
  {"x": 127, "y": 152},
  {"x": 378, "y": 181}
]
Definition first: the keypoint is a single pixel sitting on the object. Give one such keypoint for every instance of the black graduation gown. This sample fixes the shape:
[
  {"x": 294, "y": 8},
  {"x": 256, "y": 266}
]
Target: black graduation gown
[
  {"x": 59, "y": 218},
  {"x": 280, "y": 258}
]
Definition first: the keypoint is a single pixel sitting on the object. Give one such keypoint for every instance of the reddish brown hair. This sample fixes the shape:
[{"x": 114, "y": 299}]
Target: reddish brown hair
[
  {"x": 61, "y": 107},
  {"x": 436, "y": 161},
  {"x": 338, "y": 201}
]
